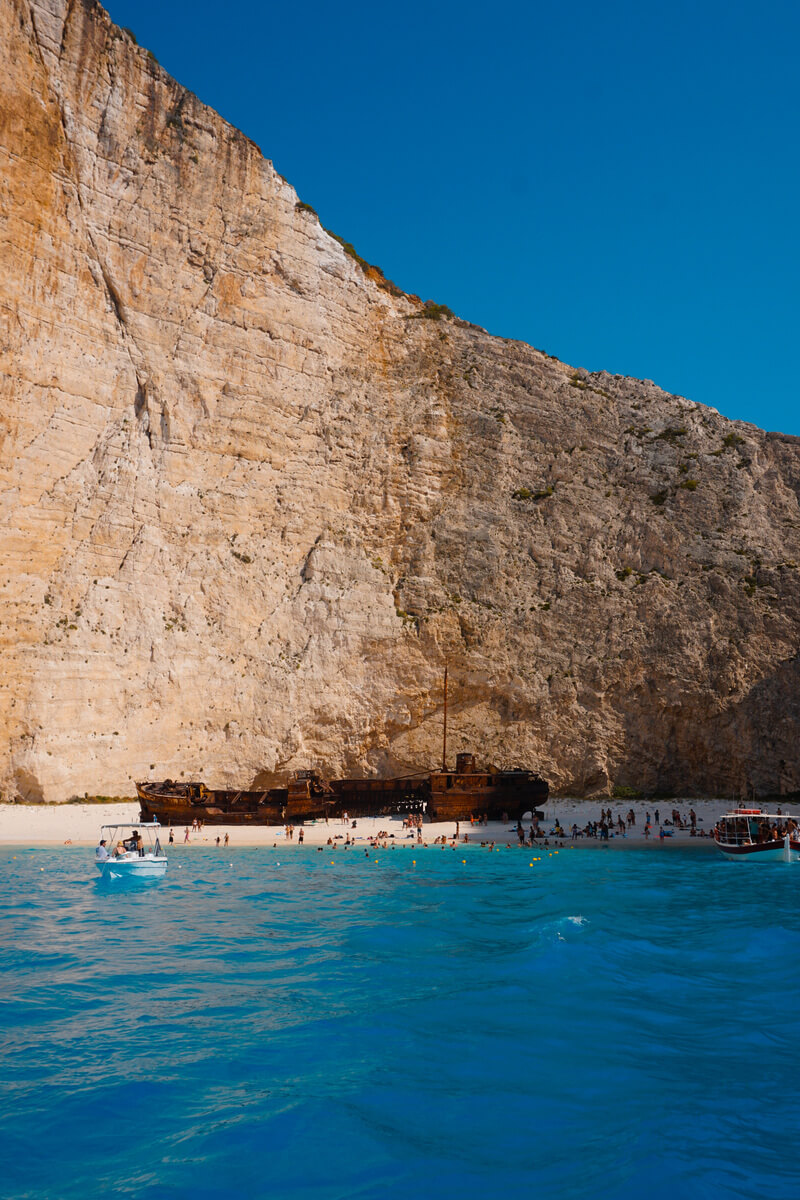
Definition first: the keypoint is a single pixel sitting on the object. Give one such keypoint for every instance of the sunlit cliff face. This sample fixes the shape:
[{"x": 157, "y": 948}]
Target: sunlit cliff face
[{"x": 253, "y": 499}]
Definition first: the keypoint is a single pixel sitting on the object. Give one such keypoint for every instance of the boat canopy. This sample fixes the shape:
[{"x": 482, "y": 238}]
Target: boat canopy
[
  {"x": 133, "y": 825},
  {"x": 150, "y": 830}
]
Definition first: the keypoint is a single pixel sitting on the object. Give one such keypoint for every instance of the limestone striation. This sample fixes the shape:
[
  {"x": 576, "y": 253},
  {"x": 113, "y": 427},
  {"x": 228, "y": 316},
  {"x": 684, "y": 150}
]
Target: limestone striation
[{"x": 253, "y": 497}]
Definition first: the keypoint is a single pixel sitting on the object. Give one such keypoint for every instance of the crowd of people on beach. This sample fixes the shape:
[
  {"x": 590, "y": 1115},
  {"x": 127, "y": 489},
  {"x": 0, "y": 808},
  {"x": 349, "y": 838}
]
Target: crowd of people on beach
[
  {"x": 607, "y": 827},
  {"x": 604, "y": 829}
]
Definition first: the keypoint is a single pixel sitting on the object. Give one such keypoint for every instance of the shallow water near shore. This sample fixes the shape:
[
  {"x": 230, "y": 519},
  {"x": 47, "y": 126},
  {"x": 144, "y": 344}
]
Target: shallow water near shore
[{"x": 301, "y": 1024}]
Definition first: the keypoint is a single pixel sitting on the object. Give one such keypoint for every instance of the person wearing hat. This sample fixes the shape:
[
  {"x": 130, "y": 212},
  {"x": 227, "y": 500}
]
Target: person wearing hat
[{"x": 101, "y": 854}]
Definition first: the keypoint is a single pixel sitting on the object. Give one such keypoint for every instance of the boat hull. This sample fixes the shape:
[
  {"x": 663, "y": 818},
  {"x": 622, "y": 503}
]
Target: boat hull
[
  {"x": 133, "y": 868},
  {"x": 782, "y": 851},
  {"x": 457, "y": 796},
  {"x": 183, "y": 804}
]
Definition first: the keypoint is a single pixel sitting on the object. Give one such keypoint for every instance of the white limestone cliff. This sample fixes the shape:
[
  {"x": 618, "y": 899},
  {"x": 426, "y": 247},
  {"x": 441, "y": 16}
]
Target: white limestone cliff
[{"x": 253, "y": 497}]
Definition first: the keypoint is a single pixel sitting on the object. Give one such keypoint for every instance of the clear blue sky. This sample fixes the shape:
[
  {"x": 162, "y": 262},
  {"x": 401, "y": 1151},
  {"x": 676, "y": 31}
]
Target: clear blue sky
[{"x": 615, "y": 183}]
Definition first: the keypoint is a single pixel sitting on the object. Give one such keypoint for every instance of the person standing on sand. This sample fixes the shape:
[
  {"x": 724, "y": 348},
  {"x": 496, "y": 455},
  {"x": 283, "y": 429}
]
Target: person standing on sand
[
  {"x": 227, "y": 838},
  {"x": 186, "y": 835},
  {"x": 301, "y": 836}
]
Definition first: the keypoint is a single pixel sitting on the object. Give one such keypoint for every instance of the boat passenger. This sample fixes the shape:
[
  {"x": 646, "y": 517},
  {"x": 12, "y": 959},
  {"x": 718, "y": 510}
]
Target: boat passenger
[{"x": 101, "y": 853}]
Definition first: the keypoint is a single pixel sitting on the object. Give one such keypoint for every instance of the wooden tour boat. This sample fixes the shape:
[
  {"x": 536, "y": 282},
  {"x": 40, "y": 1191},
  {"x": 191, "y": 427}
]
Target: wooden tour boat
[{"x": 758, "y": 836}]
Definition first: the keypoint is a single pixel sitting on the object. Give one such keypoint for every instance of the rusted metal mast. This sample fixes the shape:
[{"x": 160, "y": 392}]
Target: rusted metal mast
[{"x": 444, "y": 732}]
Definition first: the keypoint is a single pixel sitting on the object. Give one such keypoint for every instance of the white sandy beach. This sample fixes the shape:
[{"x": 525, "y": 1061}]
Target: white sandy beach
[{"x": 79, "y": 825}]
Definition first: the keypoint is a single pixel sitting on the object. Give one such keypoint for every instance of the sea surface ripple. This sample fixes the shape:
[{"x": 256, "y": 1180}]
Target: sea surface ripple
[{"x": 300, "y": 1024}]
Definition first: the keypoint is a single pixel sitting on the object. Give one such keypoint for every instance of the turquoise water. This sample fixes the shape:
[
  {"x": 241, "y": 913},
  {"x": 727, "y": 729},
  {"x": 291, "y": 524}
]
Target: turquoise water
[{"x": 601, "y": 1024}]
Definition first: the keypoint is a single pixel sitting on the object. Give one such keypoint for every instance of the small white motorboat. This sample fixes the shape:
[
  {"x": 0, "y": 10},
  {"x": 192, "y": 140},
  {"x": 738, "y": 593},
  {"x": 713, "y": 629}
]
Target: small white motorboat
[
  {"x": 759, "y": 836},
  {"x": 131, "y": 852}
]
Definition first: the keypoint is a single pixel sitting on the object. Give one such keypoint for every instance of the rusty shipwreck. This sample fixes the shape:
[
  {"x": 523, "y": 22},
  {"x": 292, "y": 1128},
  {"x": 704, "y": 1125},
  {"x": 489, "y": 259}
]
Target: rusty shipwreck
[{"x": 443, "y": 795}]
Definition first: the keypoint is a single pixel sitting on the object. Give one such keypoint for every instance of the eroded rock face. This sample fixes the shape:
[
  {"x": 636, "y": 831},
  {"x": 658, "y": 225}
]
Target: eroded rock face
[{"x": 252, "y": 499}]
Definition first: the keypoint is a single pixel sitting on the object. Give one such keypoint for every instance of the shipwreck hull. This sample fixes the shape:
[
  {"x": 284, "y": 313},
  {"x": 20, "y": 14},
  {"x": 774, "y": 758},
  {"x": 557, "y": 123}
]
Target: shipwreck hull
[
  {"x": 380, "y": 797},
  {"x": 457, "y": 797},
  {"x": 181, "y": 804},
  {"x": 443, "y": 795}
]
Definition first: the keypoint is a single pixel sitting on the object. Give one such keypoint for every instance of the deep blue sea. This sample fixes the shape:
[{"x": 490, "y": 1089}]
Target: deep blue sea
[{"x": 298, "y": 1024}]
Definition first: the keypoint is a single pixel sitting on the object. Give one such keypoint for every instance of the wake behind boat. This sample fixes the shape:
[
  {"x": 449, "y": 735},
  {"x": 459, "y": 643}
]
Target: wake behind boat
[
  {"x": 759, "y": 836},
  {"x": 135, "y": 856}
]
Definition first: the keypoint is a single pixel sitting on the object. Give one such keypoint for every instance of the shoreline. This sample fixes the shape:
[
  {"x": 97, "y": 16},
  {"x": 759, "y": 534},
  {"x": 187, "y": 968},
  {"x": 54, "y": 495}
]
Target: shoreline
[{"x": 79, "y": 825}]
